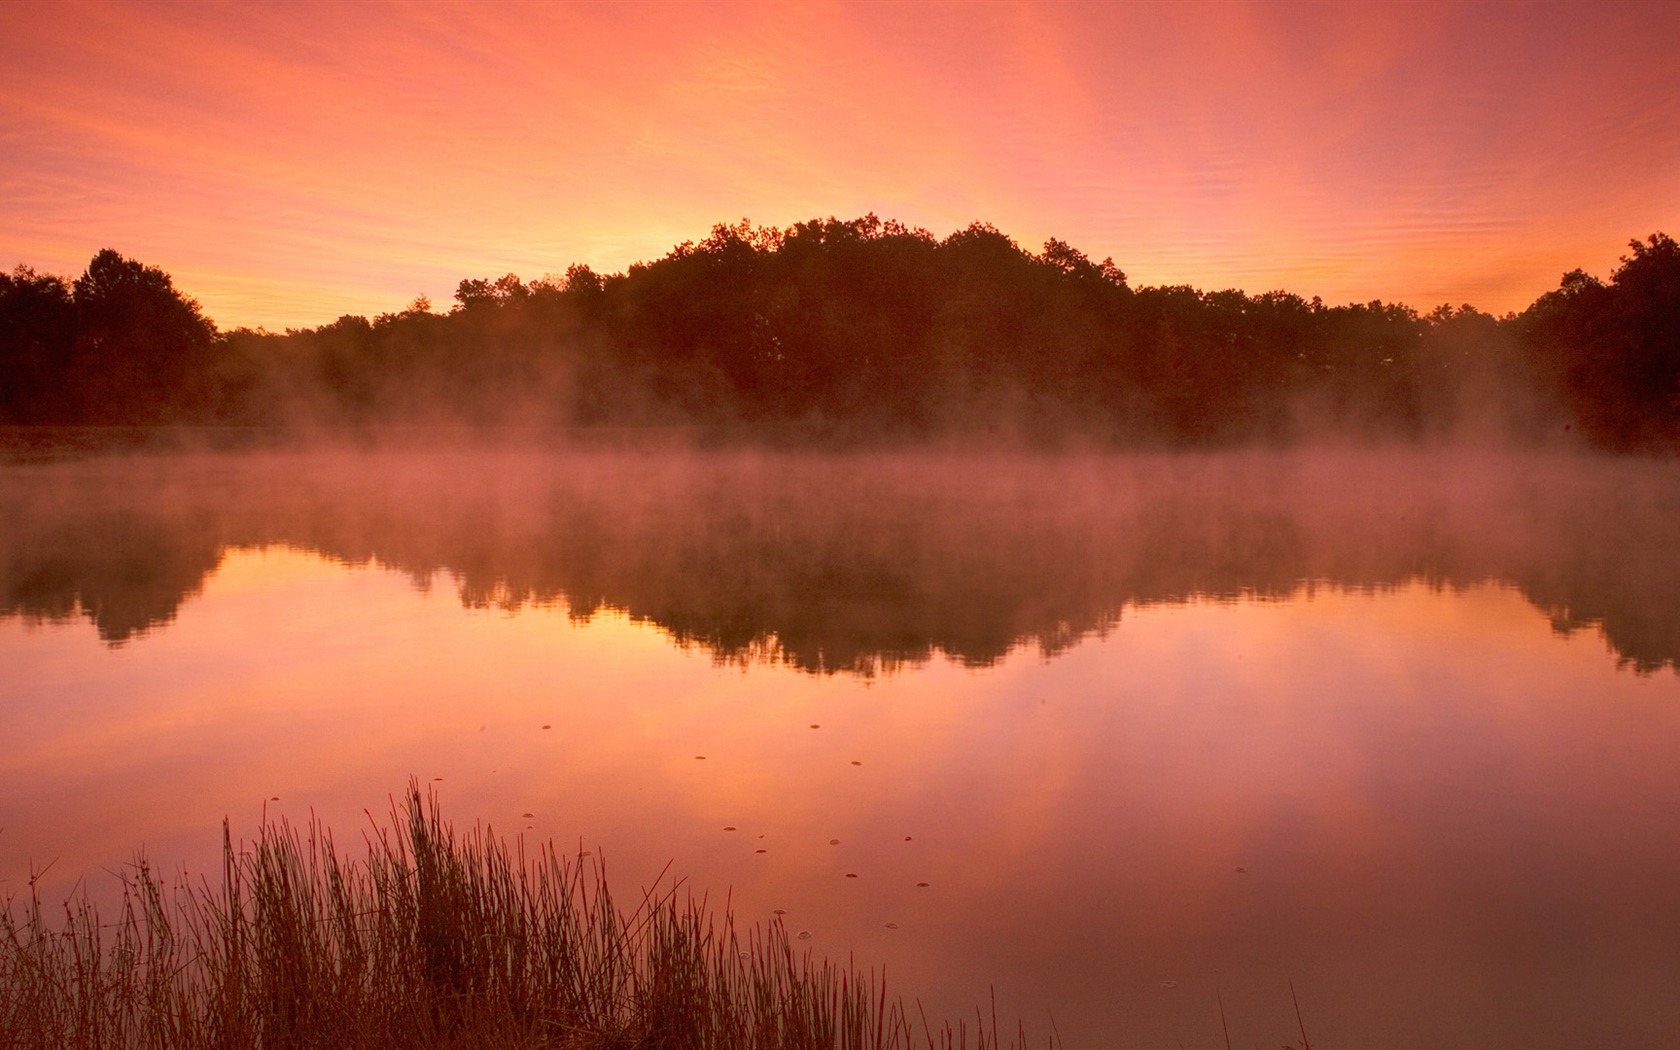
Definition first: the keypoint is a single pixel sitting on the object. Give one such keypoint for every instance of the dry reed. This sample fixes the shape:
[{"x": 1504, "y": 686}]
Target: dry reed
[{"x": 434, "y": 941}]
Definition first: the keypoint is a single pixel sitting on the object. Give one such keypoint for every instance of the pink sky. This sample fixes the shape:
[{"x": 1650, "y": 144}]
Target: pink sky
[{"x": 288, "y": 163}]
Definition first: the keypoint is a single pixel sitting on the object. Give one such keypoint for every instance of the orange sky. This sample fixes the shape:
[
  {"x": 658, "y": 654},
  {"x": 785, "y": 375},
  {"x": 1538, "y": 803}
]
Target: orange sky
[{"x": 291, "y": 162}]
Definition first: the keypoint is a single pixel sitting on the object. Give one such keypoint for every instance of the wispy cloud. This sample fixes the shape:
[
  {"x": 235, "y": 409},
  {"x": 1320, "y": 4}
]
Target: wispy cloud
[{"x": 347, "y": 157}]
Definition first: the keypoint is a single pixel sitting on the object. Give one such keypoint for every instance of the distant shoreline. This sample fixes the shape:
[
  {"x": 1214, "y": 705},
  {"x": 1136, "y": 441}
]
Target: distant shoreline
[{"x": 857, "y": 334}]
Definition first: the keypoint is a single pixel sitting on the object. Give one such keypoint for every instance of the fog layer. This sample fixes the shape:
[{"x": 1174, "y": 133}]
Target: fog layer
[{"x": 861, "y": 563}]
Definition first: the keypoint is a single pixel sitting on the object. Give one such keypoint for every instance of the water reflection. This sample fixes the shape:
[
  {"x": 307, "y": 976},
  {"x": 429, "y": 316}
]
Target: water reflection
[
  {"x": 1327, "y": 736},
  {"x": 1452, "y": 827},
  {"x": 862, "y": 564}
]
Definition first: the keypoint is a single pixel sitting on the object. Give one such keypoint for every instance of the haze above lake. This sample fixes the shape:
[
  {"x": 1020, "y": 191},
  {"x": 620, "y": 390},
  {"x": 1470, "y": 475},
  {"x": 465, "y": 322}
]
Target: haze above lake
[{"x": 1155, "y": 731}]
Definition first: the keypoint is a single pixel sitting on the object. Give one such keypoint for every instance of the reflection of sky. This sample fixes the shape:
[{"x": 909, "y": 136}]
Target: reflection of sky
[
  {"x": 290, "y": 162},
  {"x": 1456, "y": 825}
]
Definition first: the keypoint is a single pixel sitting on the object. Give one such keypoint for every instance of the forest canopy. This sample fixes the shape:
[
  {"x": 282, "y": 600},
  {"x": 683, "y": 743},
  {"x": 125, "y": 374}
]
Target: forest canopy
[{"x": 867, "y": 331}]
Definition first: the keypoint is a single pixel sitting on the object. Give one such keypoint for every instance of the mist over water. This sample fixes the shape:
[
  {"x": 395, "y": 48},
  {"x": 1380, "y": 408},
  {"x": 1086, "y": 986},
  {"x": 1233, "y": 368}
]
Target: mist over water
[
  {"x": 1118, "y": 735},
  {"x": 861, "y": 563}
]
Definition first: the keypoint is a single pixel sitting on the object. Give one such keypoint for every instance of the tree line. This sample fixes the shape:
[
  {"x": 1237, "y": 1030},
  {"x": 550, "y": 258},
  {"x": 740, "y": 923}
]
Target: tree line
[{"x": 864, "y": 330}]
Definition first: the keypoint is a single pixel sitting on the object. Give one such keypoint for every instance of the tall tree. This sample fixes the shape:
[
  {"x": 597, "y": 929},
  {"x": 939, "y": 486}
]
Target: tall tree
[
  {"x": 143, "y": 351},
  {"x": 1612, "y": 351},
  {"x": 37, "y": 332}
]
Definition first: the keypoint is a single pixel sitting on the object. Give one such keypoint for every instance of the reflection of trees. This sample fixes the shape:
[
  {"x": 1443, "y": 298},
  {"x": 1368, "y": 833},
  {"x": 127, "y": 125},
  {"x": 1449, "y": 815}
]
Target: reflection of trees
[
  {"x": 864, "y": 563},
  {"x": 123, "y": 569}
]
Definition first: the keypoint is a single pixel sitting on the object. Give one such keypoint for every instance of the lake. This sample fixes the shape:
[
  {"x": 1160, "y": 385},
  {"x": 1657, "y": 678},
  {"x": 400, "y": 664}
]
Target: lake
[{"x": 1127, "y": 741}]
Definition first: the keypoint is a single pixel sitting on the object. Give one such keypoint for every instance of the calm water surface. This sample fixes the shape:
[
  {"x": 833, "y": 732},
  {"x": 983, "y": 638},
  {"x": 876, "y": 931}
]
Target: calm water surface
[{"x": 1401, "y": 729}]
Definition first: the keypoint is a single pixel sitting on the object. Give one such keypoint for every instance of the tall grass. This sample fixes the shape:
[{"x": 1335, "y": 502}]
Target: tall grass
[{"x": 435, "y": 940}]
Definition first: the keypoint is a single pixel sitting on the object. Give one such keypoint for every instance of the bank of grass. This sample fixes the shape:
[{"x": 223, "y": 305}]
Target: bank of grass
[{"x": 434, "y": 941}]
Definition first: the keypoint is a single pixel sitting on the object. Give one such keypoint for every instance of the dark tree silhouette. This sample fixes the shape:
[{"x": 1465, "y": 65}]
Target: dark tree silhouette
[
  {"x": 866, "y": 331},
  {"x": 143, "y": 352},
  {"x": 37, "y": 333},
  {"x": 1611, "y": 352}
]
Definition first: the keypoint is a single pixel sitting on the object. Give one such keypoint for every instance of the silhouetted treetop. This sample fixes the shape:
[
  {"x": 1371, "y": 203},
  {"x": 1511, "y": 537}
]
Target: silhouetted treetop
[
  {"x": 1611, "y": 352},
  {"x": 118, "y": 345},
  {"x": 115, "y": 295},
  {"x": 870, "y": 330}
]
